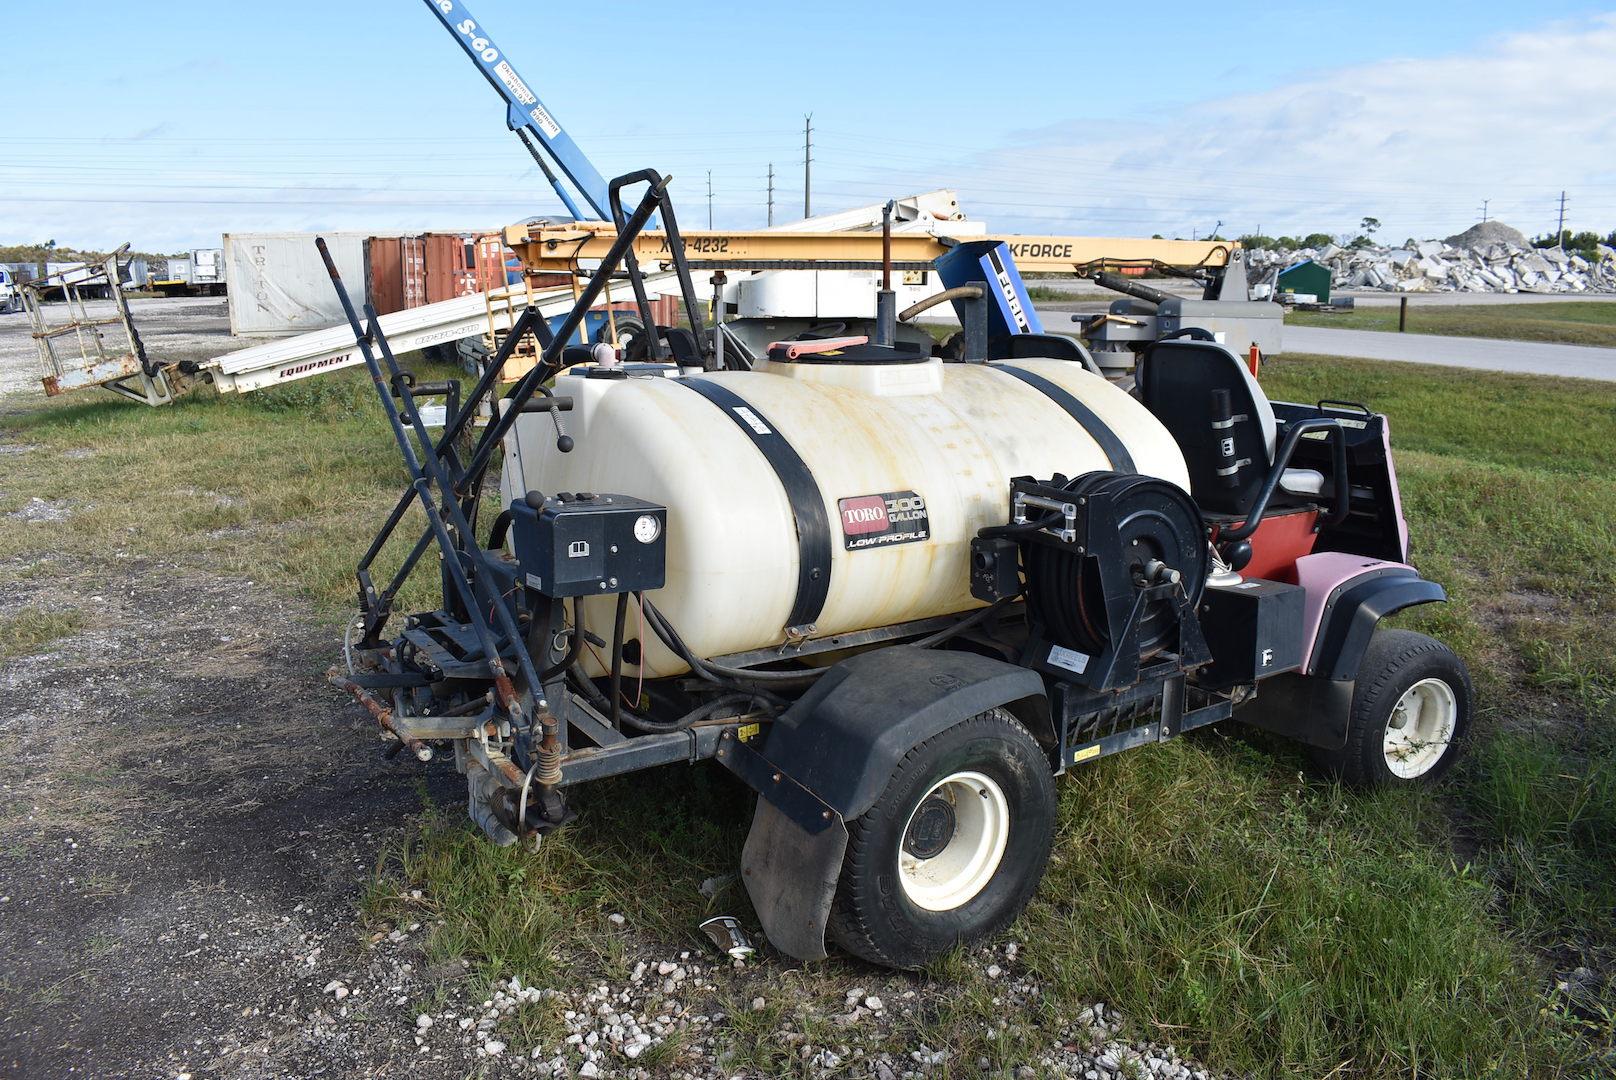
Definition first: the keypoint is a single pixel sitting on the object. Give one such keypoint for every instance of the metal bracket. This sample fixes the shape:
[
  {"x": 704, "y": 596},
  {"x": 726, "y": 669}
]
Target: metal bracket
[
  {"x": 1067, "y": 534},
  {"x": 807, "y": 810}
]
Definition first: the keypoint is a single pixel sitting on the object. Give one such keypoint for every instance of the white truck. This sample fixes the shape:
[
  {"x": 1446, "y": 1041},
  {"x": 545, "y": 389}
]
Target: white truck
[{"x": 10, "y": 292}]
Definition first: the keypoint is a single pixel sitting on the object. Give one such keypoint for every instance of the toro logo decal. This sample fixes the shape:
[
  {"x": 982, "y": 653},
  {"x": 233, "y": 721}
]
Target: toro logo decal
[{"x": 893, "y": 517}]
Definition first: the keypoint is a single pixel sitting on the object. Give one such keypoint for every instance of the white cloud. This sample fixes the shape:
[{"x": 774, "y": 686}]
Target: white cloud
[{"x": 1417, "y": 143}]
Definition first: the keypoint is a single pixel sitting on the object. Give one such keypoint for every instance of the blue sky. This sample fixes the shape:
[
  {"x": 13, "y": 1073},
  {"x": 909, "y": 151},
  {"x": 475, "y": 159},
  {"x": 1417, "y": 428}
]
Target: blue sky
[{"x": 186, "y": 119}]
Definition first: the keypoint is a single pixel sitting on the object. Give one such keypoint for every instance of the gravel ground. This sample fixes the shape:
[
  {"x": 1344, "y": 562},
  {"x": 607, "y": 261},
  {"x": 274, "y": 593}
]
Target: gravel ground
[
  {"x": 172, "y": 329},
  {"x": 189, "y": 819}
]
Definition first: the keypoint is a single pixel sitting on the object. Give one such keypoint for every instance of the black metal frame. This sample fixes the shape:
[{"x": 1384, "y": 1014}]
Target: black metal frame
[{"x": 490, "y": 630}]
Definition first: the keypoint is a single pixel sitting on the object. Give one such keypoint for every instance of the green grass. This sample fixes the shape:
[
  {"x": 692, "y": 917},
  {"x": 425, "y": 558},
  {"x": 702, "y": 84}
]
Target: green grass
[
  {"x": 1281, "y": 926},
  {"x": 1214, "y": 890},
  {"x": 1039, "y": 294},
  {"x": 1573, "y": 323},
  {"x": 33, "y": 628},
  {"x": 286, "y": 485}
]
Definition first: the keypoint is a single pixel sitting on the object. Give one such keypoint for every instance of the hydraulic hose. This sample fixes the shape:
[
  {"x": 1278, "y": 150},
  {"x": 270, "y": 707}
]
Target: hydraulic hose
[
  {"x": 617, "y": 659},
  {"x": 1015, "y": 528},
  {"x": 575, "y": 644},
  {"x": 717, "y": 672},
  {"x": 958, "y": 292},
  {"x": 701, "y": 712},
  {"x": 976, "y": 618}
]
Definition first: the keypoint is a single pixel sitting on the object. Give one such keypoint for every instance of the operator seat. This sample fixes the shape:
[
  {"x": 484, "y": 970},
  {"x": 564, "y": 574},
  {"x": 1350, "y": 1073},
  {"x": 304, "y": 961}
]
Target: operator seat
[{"x": 1178, "y": 380}]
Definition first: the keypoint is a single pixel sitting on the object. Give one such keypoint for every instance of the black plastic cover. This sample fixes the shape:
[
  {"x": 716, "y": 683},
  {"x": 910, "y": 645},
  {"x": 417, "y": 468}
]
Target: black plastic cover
[
  {"x": 1254, "y": 630},
  {"x": 843, "y": 739}
]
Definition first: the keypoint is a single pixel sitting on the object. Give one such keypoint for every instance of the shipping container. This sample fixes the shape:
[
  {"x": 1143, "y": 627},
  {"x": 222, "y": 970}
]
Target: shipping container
[
  {"x": 278, "y": 285},
  {"x": 391, "y": 277},
  {"x": 408, "y": 271},
  {"x": 207, "y": 266},
  {"x": 176, "y": 271}
]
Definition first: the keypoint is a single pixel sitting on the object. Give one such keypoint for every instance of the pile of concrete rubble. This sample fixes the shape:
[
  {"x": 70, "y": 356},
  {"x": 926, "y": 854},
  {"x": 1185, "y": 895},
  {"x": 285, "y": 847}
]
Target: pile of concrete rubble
[{"x": 1489, "y": 257}]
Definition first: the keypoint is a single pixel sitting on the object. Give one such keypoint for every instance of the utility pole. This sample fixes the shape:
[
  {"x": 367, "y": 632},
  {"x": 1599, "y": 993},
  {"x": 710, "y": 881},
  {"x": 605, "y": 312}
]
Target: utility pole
[
  {"x": 771, "y": 194},
  {"x": 1559, "y": 230},
  {"x": 709, "y": 199},
  {"x": 807, "y": 165},
  {"x": 1484, "y": 203}
]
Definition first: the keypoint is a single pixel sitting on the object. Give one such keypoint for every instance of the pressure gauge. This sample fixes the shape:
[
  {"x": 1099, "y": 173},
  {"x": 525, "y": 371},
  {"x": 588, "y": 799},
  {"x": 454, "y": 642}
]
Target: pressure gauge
[{"x": 646, "y": 528}]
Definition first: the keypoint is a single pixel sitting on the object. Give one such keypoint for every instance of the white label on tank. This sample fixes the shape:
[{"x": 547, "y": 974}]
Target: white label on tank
[
  {"x": 1070, "y": 659},
  {"x": 750, "y": 419},
  {"x": 510, "y": 78},
  {"x": 545, "y": 121}
]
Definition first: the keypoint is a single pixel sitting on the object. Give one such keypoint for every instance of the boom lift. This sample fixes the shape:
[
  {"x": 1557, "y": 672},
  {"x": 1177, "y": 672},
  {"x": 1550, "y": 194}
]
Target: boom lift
[{"x": 526, "y": 114}]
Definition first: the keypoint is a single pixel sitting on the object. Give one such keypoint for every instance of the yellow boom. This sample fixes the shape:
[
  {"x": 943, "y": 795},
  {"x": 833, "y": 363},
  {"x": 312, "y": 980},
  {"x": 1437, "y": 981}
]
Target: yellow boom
[{"x": 559, "y": 248}]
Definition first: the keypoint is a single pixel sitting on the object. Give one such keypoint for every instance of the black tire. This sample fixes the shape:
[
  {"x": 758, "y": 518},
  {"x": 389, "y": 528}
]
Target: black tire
[
  {"x": 1395, "y": 662},
  {"x": 873, "y": 916},
  {"x": 628, "y": 328},
  {"x": 471, "y": 354}
]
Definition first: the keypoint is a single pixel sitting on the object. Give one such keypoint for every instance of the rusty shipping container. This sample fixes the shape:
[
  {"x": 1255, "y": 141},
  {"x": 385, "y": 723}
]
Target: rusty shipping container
[{"x": 408, "y": 271}]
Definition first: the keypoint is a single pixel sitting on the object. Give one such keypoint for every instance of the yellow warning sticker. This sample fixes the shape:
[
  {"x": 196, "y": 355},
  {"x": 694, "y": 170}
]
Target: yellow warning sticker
[
  {"x": 746, "y": 732},
  {"x": 1084, "y": 753}
]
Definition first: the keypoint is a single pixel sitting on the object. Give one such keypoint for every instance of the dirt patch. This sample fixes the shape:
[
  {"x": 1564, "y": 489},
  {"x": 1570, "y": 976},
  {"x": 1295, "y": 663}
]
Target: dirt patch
[{"x": 187, "y": 820}]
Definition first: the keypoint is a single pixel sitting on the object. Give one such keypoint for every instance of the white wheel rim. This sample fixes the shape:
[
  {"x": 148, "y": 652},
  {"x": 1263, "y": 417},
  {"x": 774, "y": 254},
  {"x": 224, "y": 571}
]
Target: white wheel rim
[
  {"x": 1420, "y": 728},
  {"x": 964, "y": 865}
]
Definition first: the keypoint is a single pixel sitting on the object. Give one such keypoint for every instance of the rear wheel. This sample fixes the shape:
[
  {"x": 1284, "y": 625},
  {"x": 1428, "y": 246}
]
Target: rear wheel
[
  {"x": 630, "y": 338},
  {"x": 1410, "y": 712},
  {"x": 952, "y": 850}
]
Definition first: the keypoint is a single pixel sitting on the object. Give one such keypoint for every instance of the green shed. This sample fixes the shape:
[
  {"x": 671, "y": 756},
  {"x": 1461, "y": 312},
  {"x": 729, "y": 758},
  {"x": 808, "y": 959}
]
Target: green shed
[{"x": 1306, "y": 278}]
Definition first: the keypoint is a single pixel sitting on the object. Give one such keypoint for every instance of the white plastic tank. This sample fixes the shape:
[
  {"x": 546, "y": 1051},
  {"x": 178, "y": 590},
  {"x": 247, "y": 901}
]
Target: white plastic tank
[{"x": 909, "y": 461}]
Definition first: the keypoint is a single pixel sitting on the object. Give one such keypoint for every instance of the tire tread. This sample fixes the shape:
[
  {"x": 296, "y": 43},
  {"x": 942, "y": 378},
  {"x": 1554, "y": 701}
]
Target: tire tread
[{"x": 848, "y": 925}]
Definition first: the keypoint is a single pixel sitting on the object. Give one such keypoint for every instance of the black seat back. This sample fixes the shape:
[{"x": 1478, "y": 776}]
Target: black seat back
[
  {"x": 1202, "y": 394},
  {"x": 682, "y": 343}
]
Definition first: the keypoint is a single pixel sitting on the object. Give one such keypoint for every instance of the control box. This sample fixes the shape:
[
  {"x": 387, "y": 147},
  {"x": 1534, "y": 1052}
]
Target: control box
[
  {"x": 589, "y": 544},
  {"x": 995, "y": 568},
  {"x": 1254, "y": 630}
]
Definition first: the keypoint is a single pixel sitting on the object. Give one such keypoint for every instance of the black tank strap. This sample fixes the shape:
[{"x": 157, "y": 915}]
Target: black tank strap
[
  {"x": 802, "y": 492},
  {"x": 1115, "y": 451}
]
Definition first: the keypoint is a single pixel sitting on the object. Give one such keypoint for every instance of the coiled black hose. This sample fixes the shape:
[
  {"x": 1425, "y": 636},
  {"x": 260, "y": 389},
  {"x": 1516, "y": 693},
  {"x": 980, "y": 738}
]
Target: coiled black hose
[{"x": 1055, "y": 597}]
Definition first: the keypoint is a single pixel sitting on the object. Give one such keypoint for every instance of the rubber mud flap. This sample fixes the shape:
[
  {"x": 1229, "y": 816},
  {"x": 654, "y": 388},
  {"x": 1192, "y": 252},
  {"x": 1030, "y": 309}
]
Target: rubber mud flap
[{"x": 791, "y": 878}]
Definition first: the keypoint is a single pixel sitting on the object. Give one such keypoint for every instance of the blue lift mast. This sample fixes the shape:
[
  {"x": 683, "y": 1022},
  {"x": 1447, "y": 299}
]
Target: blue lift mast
[{"x": 527, "y": 115}]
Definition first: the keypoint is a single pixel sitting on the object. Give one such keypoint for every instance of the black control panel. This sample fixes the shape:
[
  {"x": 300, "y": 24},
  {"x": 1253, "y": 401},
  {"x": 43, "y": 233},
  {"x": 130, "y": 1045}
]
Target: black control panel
[{"x": 588, "y": 544}]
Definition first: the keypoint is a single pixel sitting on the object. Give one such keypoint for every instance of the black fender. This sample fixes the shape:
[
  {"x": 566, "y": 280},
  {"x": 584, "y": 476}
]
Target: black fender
[
  {"x": 1353, "y": 610},
  {"x": 845, "y": 736},
  {"x": 1315, "y": 708},
  {"x": 829, "y": 757}
]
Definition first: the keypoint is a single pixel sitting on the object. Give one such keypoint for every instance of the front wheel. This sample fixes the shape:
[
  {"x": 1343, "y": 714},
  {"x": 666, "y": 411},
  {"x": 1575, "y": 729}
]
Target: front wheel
[
  {"x": 952, "y": 850},
  {"x": 1410, "y": 712}
]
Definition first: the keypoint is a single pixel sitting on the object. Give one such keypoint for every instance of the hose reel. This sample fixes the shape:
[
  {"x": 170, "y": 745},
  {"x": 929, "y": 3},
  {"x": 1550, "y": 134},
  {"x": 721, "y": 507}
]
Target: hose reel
[{"x": 1114, "y": 564}]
